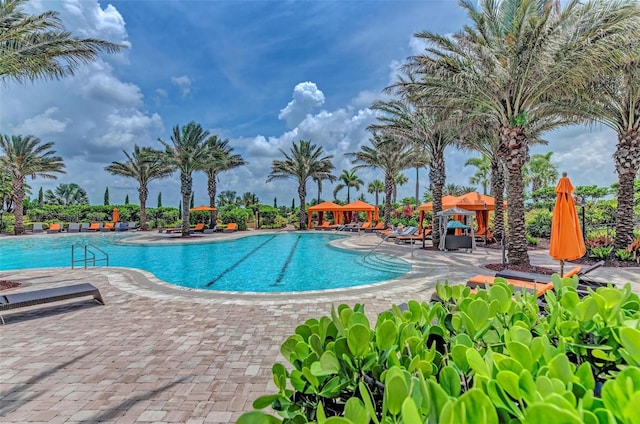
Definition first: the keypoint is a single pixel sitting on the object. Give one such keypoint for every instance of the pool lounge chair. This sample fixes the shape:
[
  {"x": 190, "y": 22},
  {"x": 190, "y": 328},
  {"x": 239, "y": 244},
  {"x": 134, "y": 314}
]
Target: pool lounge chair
[
  {"x": 413, "y": 237},
  {"x": 409, "y": 231},
  {"x": 54, "y": 228},
  {"x": 95, "y": 226},
  {"x": 363, "y": 227},
  {"x": 379, "y": 227},
  {"x": 74, "y": 227},
  {"x": 199, "y": 228},
  {"x": 108, "y": 226},
  {"x": 230, "y": 228},
  {"x": 38, "y": 297},
  {"x": 37, "y": 227},
  {"x": 322, "y": 227},
  {"x": 121, "y": 226},
  {"x": 132, "y": 226}
]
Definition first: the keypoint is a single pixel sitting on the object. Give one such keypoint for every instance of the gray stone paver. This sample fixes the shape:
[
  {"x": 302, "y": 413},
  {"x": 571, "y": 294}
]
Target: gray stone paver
[{"x": 157, "y": 353}]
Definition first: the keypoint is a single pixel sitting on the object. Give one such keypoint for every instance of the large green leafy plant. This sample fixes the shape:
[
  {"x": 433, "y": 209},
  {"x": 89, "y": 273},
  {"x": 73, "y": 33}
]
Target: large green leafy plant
[{"x": 489, "y": 356}]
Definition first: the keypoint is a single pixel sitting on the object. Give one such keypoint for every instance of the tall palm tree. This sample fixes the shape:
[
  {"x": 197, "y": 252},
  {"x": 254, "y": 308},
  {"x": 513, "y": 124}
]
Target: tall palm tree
[
  {"x": 398, "y": 180},
  {"x": 228, "y": 197},
  {"x": 349, "y": 179},
  {"x": 187, "y": 152},
  {"x": 389, "y": 155},
  {"x": 221, "y": 158},
  {"x": 482, "y": 177},
  {"x": 38, "y": 46},
  {"x": 540, "y": 172},
  {"x": 144, "y": 165},
  {"x": 22, "y": 156},
  {"x": 67, "y": 195},
  {"x": 513, "y": 63},
  {"x": 304, "y": 162},
  {"x": 417, "y": 124},
  {"x": 375, "y": 186},
  {"x": 614, "y": 100}
]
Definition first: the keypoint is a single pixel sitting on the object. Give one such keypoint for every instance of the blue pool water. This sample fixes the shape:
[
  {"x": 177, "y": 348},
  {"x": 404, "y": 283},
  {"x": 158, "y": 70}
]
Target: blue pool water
[{"x": 261, "y": 263}]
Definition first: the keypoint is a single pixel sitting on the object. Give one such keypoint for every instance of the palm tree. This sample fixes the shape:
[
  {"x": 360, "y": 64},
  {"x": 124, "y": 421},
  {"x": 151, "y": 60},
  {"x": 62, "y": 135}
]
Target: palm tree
[
  {"x": 613, "y": 100},
  {"x": 187, "y": 152},
  {"x": 482, "y": 176},
  {"x": 540, "y": 172},
  {"x": 398, "y": 180},
  {"x": 304, "y": 162},
  {"x": 416, "y": 124},
  {"x": 144, "y": 165},
  {"x": 22, "y": 156},
  {"x": 37, "y": 46},
  {"x": 512, "y": 64},
  {"x": 67, "y": 195},
  {"x": 221, "y": 158},
  {"x": 349, "y": 179},
  {"x": 375, "y": 186},
  {"x": 228, "y": 197},
  {"x": 389, "y": 155}
]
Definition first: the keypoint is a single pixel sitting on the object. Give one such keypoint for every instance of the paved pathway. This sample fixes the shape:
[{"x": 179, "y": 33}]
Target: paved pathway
[{"x": 157, "y": 353}]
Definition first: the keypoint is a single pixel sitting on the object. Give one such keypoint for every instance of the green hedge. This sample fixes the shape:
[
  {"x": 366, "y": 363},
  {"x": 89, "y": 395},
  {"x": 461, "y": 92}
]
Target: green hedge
[{"x": 474, "y": 358}]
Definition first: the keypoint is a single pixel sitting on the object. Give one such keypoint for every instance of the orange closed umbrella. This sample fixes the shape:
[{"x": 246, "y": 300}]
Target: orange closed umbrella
[
  {"x": 566, "y": 237},
  {"x": 116, "y": 215}
]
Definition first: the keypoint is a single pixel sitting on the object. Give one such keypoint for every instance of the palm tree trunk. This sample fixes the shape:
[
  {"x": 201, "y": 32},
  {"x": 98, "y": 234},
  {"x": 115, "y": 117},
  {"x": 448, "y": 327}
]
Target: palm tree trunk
[
  {"x": 497, "y": 189},
  {"x": 514, "y": 151},
  {"x": 212, "y": 188},
  {"x": 18, "y": 198},
  {"x": 143, "y": 193},
  {"x": 627, "y": 159},
  {"x": 437, "y": 176},
  {"x": 388, "y": 192},
  {"x": 302, "y": 195},
  {"x": 186, "y": 183}
]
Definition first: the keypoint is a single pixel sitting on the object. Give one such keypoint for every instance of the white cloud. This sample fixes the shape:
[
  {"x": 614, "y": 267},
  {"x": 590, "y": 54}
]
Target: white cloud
[
  {"x": 42, "y": 125},
  {"x": 183, "y": 83},
  {"x": 306, "y": 97}
]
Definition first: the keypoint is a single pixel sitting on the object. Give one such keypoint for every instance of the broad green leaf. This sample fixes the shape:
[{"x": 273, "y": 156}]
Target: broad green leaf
[
  {"x": 474, "y": 406},
  {"x": 338, "y": 420},
  {"x": 560, "y": 367},
  {"x": 332, "y": 387},
  {"x": 459, "y": 355},
  {"x": 631, "y": 412},
  {"x": 279, "y": 376},
  {"x": 478, "y": 311},
  {"x": 585, "y": 374},
  {"x": 358, "y": 339},
  {"x": 264, "y": 401},
  {"x": 501, "y": 400},
  {"x": 368, "y": 402},
  {"x": 521, "y": 353},
  {"x": 316, "y": 344},
  {"x": 410, "y": 412},
  {"x": 329, "y": 362},
  {"x": 509, "y": 381},
  {"x": 257, "y": 417},
  {"x": 501, "y": 293},
  {"x": 548, "y": 413},
  {"x": 312, "y": 379},
  {"x": 386, "y": 335},
  {"x": 304, "y": 331},
  {"x": 630, "y": 340},
  {"x": 355, "y": 411},
  {"x": 476, "y": 362},
  {"x": 463, "y": 339},
  {"x": 396, "y": 391},
  {"x": 358, "y": 318},
  {"x": 449, "y": 379}
]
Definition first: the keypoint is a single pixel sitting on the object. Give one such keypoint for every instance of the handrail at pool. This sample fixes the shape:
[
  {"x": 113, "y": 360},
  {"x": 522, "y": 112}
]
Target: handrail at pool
[{"x": 88, "y": 252}]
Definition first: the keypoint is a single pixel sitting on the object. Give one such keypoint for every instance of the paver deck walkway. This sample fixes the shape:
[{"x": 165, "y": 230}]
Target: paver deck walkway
[{"x": 157, "y": 353}]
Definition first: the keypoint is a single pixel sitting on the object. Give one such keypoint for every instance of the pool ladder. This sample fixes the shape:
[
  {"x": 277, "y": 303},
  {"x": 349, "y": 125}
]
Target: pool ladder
[{"x": 89, "y": 255}]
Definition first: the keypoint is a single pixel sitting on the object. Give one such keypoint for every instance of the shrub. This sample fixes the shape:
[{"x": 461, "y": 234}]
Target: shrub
[
  {"x": 476, "y": 357},
  {"x": 235, "y": 214},
  {"x": 531, "y": 240},
  {"x": 601, "y": 252},
  {"x": 538, "y": 223},
  {"x": 624, "y": 255}
]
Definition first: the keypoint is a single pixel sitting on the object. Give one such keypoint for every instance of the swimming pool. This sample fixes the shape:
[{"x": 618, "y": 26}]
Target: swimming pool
[{"x": 279, "y": 262}]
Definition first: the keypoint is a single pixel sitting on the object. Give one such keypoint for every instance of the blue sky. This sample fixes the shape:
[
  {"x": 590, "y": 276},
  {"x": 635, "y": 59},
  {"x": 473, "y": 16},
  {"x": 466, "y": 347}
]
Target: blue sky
[{"x": 262, "y": 74}]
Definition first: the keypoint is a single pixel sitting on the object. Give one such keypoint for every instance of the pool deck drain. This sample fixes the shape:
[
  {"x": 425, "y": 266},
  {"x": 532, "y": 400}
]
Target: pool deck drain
[{"x": 157, "y": 353}]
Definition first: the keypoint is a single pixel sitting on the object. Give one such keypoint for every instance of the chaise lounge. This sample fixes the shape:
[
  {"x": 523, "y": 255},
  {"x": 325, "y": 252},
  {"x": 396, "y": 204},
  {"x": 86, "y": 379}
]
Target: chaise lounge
[
  {"x": 230, "y": 228},
  {"x": 38, "y": 297}
]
